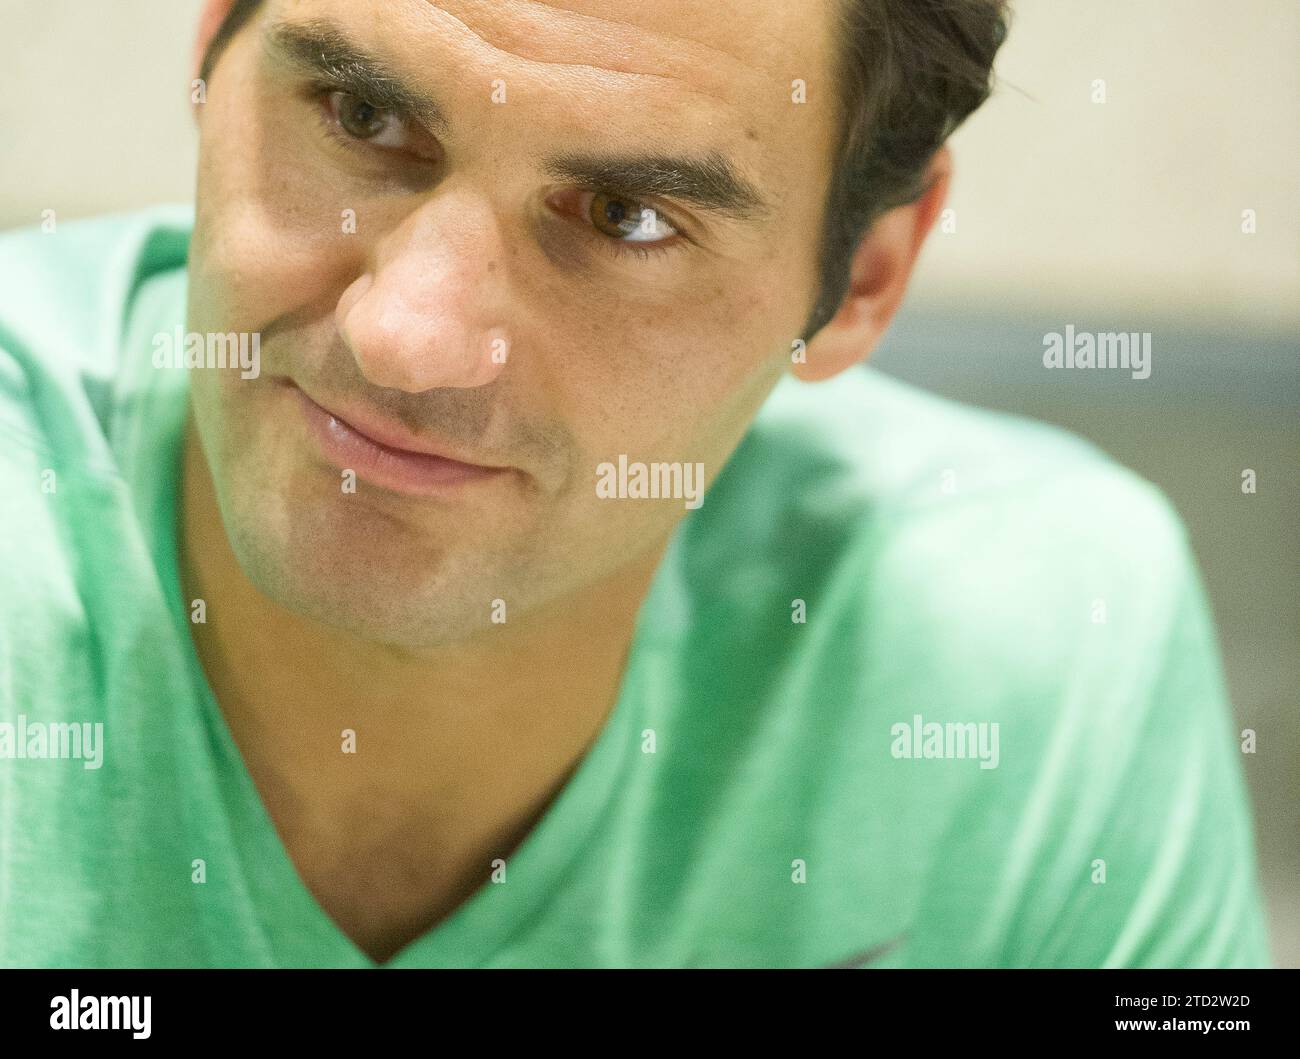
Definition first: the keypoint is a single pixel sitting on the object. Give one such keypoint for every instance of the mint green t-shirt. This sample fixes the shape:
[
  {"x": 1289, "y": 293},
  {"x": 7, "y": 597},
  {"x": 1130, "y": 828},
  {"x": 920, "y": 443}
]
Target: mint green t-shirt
[{"x": 917, "y": 685}]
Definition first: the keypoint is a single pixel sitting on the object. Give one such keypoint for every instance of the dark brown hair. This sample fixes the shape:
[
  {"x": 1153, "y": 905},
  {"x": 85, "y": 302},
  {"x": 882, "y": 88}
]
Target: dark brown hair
[{"x": 908, "y": 73}]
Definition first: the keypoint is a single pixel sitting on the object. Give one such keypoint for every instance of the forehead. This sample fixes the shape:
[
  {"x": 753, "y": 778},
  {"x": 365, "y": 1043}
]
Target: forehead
[
  {"x": 668, "y": 74},
  {"x": 720, "y": 49}
]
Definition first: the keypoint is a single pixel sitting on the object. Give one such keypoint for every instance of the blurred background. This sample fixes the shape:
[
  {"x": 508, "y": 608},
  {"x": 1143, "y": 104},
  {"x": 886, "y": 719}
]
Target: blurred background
[{"x": 1104, "y": 185}]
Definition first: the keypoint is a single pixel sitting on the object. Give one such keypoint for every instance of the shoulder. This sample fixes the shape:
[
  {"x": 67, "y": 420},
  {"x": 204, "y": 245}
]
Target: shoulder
[
  {"x": 71, "y": 289},
  {"x": 48, "y": 255},
  {"x": 897, "y": 546},
  {"x": 951, "y": 513},
  {"x": 973, "y": 567}
]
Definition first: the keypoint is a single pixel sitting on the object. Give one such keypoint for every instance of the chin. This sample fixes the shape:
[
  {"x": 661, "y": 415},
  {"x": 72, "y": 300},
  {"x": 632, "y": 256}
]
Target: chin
[{"x": 368, "y": 588}]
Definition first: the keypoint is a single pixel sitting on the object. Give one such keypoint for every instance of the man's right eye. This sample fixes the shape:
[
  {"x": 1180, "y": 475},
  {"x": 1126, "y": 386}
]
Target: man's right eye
[{"x": 355, "y": 122}]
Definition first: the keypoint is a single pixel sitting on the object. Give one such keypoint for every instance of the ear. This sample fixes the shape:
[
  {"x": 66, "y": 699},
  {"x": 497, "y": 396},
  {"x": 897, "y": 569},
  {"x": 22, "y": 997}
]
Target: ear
[
  {"x": 211, "y": 17},
  {"x": 882, "y": 266}
]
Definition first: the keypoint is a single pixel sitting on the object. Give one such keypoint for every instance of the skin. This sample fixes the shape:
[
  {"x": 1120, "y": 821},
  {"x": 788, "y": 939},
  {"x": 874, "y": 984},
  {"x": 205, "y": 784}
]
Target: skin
[{"x": 371, "y": 611}]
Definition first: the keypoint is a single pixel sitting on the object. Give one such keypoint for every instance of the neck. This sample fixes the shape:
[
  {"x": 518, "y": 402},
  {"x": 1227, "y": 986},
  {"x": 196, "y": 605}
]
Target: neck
[{"x": 493, "y": 722}]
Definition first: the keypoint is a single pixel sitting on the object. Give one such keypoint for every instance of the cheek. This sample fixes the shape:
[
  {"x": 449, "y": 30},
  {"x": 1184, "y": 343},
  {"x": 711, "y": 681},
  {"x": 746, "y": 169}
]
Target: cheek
[
  {"x": 703, "y": 343},
  {"x": 652, "y": 379},
  {"x": 269, "y": 236},
  {"x": 221, "y": 405}
]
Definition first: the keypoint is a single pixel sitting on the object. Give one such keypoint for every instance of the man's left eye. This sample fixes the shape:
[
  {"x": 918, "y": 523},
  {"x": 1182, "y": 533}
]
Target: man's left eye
[
  {"x": 364, "y": 121},
  {"x": 625, "y": 219}
]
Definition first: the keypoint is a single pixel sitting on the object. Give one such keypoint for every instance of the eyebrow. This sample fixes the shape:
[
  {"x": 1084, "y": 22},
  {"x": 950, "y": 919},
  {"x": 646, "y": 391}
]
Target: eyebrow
[
  {"x": 320, "y": 48},
  {"x": 710, "y": 182}
]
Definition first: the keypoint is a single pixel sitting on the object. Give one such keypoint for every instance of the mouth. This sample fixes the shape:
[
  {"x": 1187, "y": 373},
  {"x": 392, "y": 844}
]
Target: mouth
[{"x": 386, "y": 454}]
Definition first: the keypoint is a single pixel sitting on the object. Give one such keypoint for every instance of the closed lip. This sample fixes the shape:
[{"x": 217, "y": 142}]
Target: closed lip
[{"x": 388, "y": 434}]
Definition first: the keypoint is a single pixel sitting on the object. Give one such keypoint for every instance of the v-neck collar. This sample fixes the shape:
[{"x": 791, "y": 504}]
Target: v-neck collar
[{"x": 297, "y": 930}]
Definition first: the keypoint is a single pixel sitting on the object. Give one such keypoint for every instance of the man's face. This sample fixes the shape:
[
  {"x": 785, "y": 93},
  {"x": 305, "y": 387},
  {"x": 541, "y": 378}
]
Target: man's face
[{"x": 493, "y": 295}]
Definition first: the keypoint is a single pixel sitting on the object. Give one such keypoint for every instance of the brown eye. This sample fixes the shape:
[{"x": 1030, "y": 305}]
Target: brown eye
[
  {"x": 626, "y": 219},
  {"x": 375, "y": 126},
  {"x": 614, "y": 216},
  {"x": 358, "y": 117}
]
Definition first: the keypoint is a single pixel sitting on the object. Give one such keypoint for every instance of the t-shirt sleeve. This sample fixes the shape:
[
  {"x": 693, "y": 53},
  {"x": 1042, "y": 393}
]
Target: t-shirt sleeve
[{"x": 1161, "y": 871}]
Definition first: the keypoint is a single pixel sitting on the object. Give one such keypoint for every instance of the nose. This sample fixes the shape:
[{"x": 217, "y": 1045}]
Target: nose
[{"x": 423, "y": 314}]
